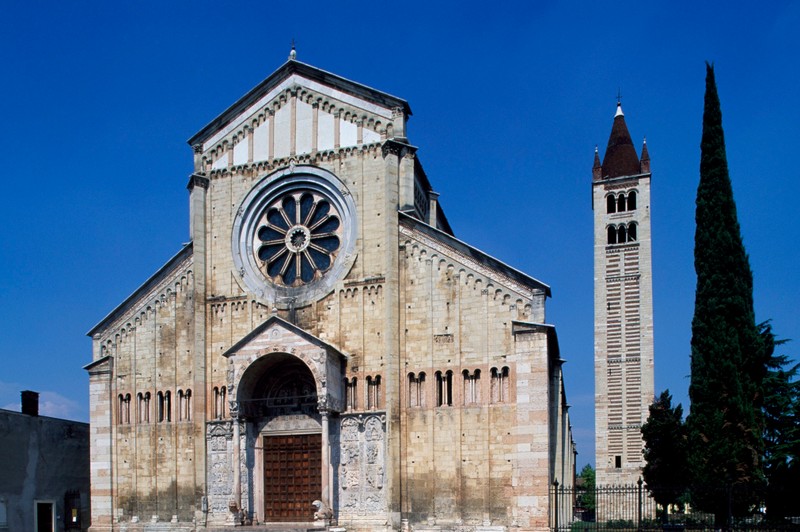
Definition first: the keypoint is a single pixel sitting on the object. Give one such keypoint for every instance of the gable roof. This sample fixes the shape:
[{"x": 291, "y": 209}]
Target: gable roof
[
  {"x": 150, "y": 284},
  {"x": 294, "y": 329},
  {"x": 309, "y": 72},
  {"x": 474, "y": 253}
]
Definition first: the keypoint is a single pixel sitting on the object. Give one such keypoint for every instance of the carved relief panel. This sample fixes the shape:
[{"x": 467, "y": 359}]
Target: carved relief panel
[{"x": 358, "y": 456}]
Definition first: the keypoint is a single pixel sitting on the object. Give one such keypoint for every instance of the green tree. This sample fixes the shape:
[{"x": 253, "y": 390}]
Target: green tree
[
  {"x": 666, "y": 470},
  {"x": 725, "y": 425},
  {"x": 781, "y": 431},
  {"x": 588, "y": 499}
]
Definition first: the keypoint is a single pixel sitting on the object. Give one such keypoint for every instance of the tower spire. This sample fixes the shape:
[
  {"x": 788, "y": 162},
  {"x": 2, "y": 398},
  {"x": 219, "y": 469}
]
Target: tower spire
[{"x": 620, "y": 158}]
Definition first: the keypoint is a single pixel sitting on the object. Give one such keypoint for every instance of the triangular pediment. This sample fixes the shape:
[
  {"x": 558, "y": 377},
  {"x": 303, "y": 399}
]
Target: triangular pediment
[
  {"x": 297, "y": 110},
  {"x": 278, "y": 334}
]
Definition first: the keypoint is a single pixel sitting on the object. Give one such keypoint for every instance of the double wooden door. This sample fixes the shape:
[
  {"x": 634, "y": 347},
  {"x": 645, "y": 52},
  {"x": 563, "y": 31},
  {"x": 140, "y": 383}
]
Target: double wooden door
[{"x": 292, "y": 476}]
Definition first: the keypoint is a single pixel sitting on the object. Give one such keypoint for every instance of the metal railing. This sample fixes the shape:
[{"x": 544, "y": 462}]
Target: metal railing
[{"x": 631, "y": 507}]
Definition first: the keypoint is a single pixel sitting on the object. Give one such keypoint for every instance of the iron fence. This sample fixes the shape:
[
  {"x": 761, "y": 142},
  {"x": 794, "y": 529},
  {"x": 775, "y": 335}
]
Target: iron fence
[{"x": 631, "y": 507}]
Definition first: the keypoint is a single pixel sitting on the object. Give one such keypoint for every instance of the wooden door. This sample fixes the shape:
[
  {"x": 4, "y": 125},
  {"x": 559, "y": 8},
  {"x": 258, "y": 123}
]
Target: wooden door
[{"x": 292, "y": 476}]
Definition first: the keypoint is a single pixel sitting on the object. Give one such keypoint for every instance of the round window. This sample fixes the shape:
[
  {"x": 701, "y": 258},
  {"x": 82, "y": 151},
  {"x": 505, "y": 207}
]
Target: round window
[{"x": 294, "y": 235}]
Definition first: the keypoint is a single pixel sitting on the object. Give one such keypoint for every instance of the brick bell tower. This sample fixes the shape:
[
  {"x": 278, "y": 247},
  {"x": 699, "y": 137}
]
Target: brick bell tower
[{"x": 623, "y": 306}]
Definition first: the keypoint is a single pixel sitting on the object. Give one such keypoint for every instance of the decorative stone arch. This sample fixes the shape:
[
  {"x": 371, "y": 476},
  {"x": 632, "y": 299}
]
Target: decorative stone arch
[{"x": 282, "y": 383}]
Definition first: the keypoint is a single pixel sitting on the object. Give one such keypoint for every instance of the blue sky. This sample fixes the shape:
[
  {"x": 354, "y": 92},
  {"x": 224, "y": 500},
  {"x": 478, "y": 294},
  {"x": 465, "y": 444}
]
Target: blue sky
[{"x": 509, "y": 101}]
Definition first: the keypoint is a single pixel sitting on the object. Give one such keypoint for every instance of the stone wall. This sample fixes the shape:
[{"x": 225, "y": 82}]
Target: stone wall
[{"x": 42, "y": 459}]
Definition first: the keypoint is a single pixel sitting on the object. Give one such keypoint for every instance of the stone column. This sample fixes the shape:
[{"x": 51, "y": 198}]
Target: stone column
[
  {"x": 237, "y": 465},
  {"x": 326, "y": 459}
]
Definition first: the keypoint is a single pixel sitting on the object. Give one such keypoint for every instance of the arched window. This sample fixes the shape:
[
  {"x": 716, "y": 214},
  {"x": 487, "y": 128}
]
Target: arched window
[
  {"x": 622, "y": 234},
  {"x": 631, "y": 232},
  {"x": 373, "y": 392},
  {"x": 500, "y": 385},
  {"x": 611, "y": 204},
  {"x": 160, "y": 407},
  {"x": 444, "y": 388},
  {"x": 612, "y": 234},
  {"x": 143, "y": 407},
  {"x": 180, "y": 405},
  {"x": 632, "y": 200},
  {"x": 168, "y": 406},
  {"x": 416, "y": 389},
  {"x": 186, "y": 407},
  {"x": 219, "y": 402},
  {"x": 472, "y": 387},
  {"x": 351, "y": 394},
  {"x": 124, "y": 409},
  {"x": 621, "y": 203}
]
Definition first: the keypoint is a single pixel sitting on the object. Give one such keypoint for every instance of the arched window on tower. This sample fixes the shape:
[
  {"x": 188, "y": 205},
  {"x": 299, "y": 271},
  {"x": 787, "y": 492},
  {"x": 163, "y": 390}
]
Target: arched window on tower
[
  {"x": 612, "y": 234},
  {"x": 631, "y": 232},
  {"x": 611, "y": 204},
  {"x": 632, "y": 200},
  {"x": 622, "y": 234},
  {"x": 621, "y": 203}
]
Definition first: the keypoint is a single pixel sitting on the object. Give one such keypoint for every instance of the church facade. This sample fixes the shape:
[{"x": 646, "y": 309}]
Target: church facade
[{"x": 325, "y": 351}]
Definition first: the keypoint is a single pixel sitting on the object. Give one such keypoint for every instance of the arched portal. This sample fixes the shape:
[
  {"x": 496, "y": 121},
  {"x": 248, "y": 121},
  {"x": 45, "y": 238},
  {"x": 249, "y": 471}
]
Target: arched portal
[{"x": 277, "y": 398}]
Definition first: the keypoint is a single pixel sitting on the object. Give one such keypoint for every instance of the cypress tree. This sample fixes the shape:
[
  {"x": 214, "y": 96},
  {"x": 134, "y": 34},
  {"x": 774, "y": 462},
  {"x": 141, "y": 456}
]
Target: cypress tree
[{"x": 728, "y": 364}]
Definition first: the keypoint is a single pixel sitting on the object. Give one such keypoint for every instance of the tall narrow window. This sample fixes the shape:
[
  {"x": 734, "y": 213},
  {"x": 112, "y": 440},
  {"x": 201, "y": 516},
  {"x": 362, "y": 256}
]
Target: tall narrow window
[
  {"x": 168, "y": 406},
  {"x": 180, "y": 405},
  {"x": 612, "y": 234},
  {"x": 611, "y": 204},
  {"x": 219, "y": 402},
  {"x": 631, "y": 232},
  {"x": 416, "y": 389},
  {"x": 127, "y": 409},
  {"x": 472, "y": 387},
  {"x": 373, "y": 392},
  {"x": 621, "y": 203},
  {"x": 143, "y": 407},
  {"x": 160, "y": 407},
  {"x": 632, "y": 200},
  {"x": 124, "y": 409},
  {"x": 444, "y": 388},
  {"x": 500, "y": 385},
  {"x": 622, "y": 234},
  {"x": 186, "y": 410},
  {"x": 351, "y": 394}
]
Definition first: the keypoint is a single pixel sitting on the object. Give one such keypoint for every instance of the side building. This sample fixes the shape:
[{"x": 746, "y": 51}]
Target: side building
[
  {"x": 325, "y": 350},
  {"x": 44, "y": 485},
  {"x": 623, "y": 306}
]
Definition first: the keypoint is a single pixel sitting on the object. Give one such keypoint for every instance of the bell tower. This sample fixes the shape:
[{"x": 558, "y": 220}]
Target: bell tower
[{"x": 623, "y": 306}]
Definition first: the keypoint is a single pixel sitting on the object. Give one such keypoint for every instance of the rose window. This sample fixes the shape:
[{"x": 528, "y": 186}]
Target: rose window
[
  {"x": 298, "y": 238},
  {"x": 294, "y": 236}
]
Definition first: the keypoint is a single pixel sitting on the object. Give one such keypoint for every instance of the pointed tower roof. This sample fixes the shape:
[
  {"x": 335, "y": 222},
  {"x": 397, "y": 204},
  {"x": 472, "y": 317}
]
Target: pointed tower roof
[{"x": 620, "y": 158}]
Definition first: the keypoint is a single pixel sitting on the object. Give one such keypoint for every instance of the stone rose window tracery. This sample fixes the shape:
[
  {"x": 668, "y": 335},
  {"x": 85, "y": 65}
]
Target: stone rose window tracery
[
  {"x": 294, "y": 236},
  {"x": 298, "y": 237}
]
